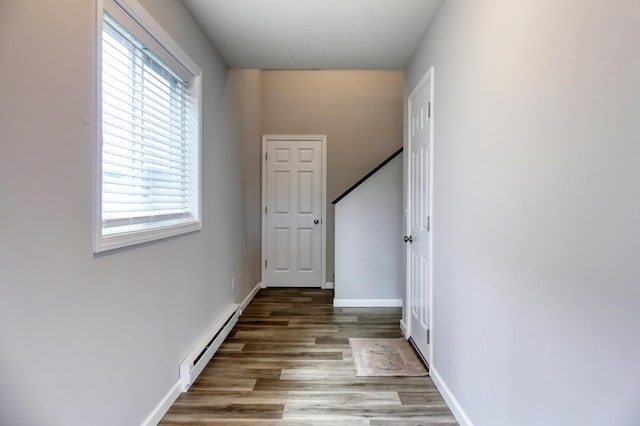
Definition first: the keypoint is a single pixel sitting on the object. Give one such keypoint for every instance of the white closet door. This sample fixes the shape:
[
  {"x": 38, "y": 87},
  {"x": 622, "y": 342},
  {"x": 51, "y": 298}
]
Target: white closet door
[{"x": 293, "y": 213}]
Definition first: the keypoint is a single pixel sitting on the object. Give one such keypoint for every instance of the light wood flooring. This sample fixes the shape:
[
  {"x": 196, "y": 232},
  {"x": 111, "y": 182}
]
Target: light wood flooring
[{"x": 288, "y": 362}]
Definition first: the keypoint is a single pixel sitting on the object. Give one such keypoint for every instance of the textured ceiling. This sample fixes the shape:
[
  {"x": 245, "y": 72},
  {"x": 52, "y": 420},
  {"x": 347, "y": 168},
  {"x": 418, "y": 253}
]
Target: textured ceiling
[{"x": 315, "y": 34}]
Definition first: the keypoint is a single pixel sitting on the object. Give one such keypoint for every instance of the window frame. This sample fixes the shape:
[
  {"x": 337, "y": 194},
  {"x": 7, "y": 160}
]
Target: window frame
[{"x": 158, "y": 37}]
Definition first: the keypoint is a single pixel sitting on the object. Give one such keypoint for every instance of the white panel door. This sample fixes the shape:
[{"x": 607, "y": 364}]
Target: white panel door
[
  {"x": 419, "y": 247},
  {"x": 293, "y": 212}
]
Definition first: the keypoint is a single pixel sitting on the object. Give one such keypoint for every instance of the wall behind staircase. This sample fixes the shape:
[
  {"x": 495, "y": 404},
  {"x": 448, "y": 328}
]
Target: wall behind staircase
[
  {"x": 369, "y": 248},
  {"x": 359, "y": 111}
]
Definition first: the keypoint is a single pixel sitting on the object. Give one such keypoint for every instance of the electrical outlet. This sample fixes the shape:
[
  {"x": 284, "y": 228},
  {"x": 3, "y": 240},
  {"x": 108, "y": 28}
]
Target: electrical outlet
[{"x": 233, "y": 285}]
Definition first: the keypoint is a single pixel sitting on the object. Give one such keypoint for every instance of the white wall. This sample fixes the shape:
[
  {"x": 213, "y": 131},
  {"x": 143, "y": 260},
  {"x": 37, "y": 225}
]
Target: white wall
[
  {"x": 84, "y": 339},
  {"x": 537, "y": 202},
  {"x": 368, "y": 245},
  {"x": 244, "y": 87}
]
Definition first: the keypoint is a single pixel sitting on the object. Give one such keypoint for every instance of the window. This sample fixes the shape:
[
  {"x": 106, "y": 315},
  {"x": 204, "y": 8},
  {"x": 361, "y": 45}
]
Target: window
[{"x": 149, "y": 135}]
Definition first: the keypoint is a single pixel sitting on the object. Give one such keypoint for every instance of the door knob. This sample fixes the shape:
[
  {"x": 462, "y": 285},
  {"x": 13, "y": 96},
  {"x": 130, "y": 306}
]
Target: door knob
[
  {"x": 316, "y": 221},
  {"x": 408, "y": 239}
]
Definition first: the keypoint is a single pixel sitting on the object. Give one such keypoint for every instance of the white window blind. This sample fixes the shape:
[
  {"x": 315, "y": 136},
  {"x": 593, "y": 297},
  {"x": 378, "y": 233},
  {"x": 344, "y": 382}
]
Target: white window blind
[{"x": 149, "y": 142}]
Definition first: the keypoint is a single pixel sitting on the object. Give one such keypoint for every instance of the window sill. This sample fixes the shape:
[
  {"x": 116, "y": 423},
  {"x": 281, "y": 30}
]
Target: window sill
[{"x": 105, "y": 243}]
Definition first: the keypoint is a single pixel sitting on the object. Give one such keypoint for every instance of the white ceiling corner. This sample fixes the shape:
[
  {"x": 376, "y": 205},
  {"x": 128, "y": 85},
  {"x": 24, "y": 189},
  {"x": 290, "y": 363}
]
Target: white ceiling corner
[{"x": 315, "y": 34}]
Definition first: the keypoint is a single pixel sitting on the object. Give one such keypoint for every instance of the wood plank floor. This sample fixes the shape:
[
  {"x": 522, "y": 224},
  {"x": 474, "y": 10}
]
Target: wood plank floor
[{"x": 288, "y": 362}]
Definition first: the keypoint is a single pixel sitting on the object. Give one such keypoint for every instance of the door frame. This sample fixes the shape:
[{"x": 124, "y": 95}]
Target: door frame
[
  {"x": 427, "y": 78},
  {"x": 263, "y": 215}
]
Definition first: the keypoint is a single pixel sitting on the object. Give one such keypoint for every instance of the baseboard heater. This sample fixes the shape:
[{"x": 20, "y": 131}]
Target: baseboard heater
[{"x": 195, "y": 362}]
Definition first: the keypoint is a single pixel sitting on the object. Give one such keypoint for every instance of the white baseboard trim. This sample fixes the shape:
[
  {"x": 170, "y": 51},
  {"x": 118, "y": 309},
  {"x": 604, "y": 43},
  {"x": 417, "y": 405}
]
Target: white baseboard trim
[
  {"x": 451, "y": 400},
  {"x": 328, "y": 285},
  {"x": 163, "y": 406},
  {"x": 262, "y": 284},
  {"x": 403, "y": 328},
  {"x": 367, "y": 303},
  {"x": 250, "y": 296}
]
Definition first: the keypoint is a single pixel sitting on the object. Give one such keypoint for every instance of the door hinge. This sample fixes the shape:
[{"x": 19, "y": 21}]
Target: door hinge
[
  {"x": 265, "y": 263},
  {"x": 265, "y": 209},
  {"x": 429, "y": 110},
  {"x": 428, "y": 336},
  {"x": 265, "y": 156},
  {"x": 428, "y": 223}
]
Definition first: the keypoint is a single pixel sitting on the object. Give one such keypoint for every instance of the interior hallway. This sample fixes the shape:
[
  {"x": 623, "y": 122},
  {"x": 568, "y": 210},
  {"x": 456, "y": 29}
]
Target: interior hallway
[{"x": 288, "y": 362}]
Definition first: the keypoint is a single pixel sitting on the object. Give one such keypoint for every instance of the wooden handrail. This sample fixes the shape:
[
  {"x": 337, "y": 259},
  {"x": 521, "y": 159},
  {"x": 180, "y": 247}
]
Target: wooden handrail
[{"x": 367, "y": 176}]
